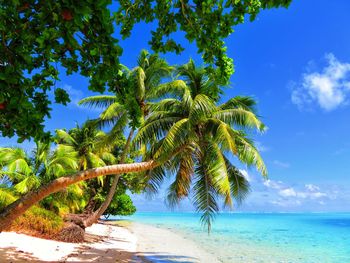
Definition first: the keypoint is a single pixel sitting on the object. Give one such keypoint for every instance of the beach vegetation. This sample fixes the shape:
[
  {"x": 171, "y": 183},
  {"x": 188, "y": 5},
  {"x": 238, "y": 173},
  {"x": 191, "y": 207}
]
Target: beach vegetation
[{"x": 177, "y": 127}]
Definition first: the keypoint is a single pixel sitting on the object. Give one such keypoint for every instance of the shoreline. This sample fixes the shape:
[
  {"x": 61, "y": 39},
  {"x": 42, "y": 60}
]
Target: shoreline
[
  {"x": 106, "y": 241},
  {"x": 158, "y": 244}
]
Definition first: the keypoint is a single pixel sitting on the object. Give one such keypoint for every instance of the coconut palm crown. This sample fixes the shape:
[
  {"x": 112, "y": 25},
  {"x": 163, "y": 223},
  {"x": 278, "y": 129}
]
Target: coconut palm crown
[{"x": 195, "y": 138}]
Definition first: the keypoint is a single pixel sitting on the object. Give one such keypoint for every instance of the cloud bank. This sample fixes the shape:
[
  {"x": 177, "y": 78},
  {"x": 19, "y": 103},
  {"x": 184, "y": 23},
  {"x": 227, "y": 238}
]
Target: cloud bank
[{"x": 329, "y": 88}]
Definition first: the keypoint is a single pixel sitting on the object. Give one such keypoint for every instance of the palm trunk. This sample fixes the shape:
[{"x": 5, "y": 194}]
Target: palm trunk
[
  {"x": 90, "y": 207},
  {"x": 17, "y": 208},
  {"x": 99, "y": 212}
]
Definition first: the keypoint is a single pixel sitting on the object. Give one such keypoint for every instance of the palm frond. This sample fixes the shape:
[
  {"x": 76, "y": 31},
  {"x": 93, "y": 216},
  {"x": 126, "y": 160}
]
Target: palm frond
[
  {"x": 100, "y": 101},
  {"x": 63, "y": 137},
  {"x": 243, "y": 102},
  {"x": 249, "y": 155},
  {"x": 177, "y": 88},
  {"x": 113, "y": 111},
  {"x": 180, "y": 188},
  {"x": 240, "y": 117},
  {"x": 176, "y": 137},
  {"x": 6, "y": 197},
  {"x": 154, "y": 179},
  {"x": 156, "y": 127},
  {"x": 20, "y": 166},
  {"x": 205, "y": 197},
  {"x": 29, "y": 183},
  {"x": 223, "y": 135},
  {"x": 214, "y": 162},
  {"x": 240, "y": 186},
  {"x": 203, "y": 107}
]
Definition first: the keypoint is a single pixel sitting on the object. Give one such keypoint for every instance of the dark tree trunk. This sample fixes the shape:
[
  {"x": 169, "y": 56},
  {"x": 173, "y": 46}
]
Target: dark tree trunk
[{"x": 93, "y": 218}]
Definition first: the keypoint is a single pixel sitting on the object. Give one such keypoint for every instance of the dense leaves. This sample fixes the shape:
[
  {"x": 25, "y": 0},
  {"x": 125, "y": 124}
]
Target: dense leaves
[
  {"x": 195, "y": 140},
  {"x": 38, "y": 36}
]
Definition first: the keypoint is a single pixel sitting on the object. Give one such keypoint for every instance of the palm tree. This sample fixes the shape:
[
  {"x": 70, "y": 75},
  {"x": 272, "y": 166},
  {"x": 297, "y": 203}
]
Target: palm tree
[
  {"x": 197, "y": 137},
  {"x": 17, "y": 208},
  {"x": 24, "y": 173},
  {"x": 190, "y": 134},
  {"x": 91, "y": 152},
  {"x": 135, "y": 89}
]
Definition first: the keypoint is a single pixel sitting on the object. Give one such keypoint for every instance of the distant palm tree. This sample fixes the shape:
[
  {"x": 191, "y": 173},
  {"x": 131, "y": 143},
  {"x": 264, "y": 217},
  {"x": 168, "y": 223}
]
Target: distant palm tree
[
  {"x": 196, "y": 138},
  {"x": 128, "y": 108}
]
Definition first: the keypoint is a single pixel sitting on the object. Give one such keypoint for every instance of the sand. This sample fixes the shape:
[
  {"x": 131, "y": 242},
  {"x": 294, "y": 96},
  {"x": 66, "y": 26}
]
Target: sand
[
  {"x": 106, "y": 242},
  {"x": 157, "y": 244}
]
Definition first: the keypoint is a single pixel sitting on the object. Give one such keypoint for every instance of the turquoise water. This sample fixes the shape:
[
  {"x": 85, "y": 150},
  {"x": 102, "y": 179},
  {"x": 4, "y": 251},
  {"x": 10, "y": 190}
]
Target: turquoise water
[{"x": 258, "y": 237}]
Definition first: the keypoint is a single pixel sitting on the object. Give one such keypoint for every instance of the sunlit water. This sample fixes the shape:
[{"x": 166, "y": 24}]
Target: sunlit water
[{"x": 257, "y": 237}]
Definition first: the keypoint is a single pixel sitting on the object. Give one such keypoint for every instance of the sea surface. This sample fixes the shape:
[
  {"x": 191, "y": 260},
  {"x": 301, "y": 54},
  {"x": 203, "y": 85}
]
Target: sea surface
[{"x": 264, "y": 237}]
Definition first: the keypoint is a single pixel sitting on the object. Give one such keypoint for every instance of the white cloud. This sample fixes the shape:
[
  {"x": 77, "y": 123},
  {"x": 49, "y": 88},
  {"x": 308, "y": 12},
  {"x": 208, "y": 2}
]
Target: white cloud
[
  {"x": 286, "y": 203},
  {"x": 246, "y": 175},
  {"x": 309, "y": 191},
  {"x": 281, "y": 164},
  {"x": 288, "y": 192},
  {"x": 312, "y": 187},
  {"x": 273, "y": 184},
  {"x": 330, "y": 88}
]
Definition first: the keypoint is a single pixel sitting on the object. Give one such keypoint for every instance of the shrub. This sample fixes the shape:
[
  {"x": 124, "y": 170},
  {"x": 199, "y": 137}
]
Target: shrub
[{"x": 38, "y": 222}]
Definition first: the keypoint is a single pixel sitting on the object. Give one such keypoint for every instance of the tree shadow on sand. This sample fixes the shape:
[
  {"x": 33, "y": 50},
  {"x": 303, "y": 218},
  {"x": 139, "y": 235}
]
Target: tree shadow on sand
[{"x": 12, "y": 254}]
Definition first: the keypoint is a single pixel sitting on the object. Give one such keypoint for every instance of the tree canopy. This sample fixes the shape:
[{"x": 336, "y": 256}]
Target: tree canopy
[{"x": 39, "y": 36}]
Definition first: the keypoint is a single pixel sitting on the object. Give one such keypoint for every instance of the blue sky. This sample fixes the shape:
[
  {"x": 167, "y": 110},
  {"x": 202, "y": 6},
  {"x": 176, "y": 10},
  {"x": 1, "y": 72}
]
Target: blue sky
[{"x": 296, "y": 63}]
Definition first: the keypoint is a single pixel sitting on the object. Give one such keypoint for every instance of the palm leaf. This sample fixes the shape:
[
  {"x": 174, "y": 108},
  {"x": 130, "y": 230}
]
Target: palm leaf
[
  {"x": 180, "y": 188},
  {"x": 240, "y": 117},
  {"x": 203, "y": 107},
  {"x": 101, "y": 101},
  {"x": 205, "y": 197},
  {"x": 243, "y": 102}
]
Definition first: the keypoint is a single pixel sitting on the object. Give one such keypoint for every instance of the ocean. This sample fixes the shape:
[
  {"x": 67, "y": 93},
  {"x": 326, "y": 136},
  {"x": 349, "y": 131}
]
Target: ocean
[{"x": 263, "y": 237}]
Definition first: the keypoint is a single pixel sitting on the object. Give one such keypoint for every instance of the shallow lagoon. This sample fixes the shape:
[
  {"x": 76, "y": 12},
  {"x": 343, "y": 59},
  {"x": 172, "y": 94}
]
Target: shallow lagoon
[{"x": 264, "y": 237}]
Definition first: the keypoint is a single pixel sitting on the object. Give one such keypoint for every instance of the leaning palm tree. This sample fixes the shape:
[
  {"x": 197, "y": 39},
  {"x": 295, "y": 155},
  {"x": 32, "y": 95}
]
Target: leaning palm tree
[
  {"x": 190, "y": 134},
  {"x": 197, "y": 138},
  {"x": 135, "y": 89}
]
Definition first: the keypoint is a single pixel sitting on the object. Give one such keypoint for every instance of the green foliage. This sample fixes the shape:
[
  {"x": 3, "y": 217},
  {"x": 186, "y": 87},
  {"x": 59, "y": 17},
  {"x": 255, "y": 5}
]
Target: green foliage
[
  {"x": 23, "y": 173},
  {"x": 92, "y": 148},
  {"x": 37, "y": 36},
  {"x": 88, "y": 144},
  {"x": 121, "y": 205},
  {"x": 6, "y": 196},
  {"x": 194, "y": 138}
]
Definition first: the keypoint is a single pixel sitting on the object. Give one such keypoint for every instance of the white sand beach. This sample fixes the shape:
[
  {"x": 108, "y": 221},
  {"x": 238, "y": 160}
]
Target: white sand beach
[
  {"x": 161, "y": 245},
  {"x": 105, "y": 243}
]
